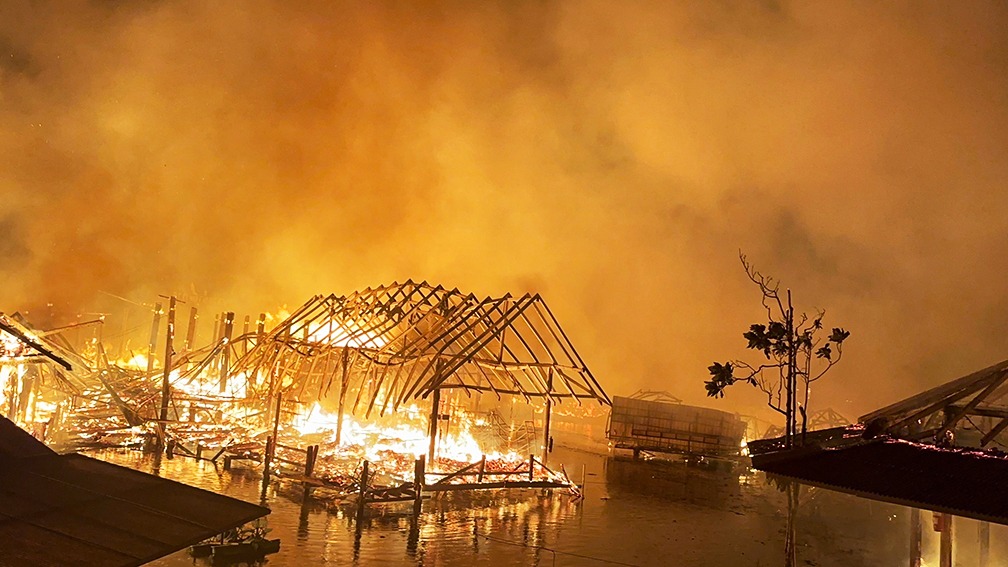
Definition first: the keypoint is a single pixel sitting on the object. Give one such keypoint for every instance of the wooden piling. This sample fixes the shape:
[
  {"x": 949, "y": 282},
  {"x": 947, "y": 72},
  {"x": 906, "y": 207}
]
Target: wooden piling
[
  {"x": 435, "y": 415},
  {"x": 418, "y": 485},
  {"x": 342, "y": 395},
  {"x": 363, "y": 492},
  {"x": 531, "y": 466},
  {"x": 983, "y": 534},
  {"x": 482, "y": 468},
  {"x": 226, "y": 351},
  {"x": 915, "y": 537},
  {"x": 945, "y": 546},
  {"x": 546, "y": 418},
  {"x": 169, "y": 350},
  {"x": 155, "y": 323},
  {"x": 309, "y": 469},
  {"x": 191, "y": 331}
]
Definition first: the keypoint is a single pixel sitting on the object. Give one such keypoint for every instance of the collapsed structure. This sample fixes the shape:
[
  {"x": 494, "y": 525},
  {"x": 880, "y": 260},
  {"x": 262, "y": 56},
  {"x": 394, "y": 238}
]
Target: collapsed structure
[{"x": 383, "y": 374}]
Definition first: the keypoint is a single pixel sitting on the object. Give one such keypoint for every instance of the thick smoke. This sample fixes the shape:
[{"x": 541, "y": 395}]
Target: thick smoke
[{"x": 613, "y": 157}]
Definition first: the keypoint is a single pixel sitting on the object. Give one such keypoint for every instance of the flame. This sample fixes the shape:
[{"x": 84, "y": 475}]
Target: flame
[{"x": 403, "y": 433}]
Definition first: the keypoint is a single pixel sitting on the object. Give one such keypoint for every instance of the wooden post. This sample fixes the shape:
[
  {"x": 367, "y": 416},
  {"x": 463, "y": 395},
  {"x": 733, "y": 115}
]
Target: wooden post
[
  {"x": 276, "y": 416},
  {"x": 260, "y": 327},
  {"x": 169, "y": 350},
  {"x": 155, "y": 323},
  {"x": 153, "y": 339},
  {"x": 191, "y": 331},
  {"x": 310, "y": 457},
  {"x": 531, "y": 465},
  {"x": 245, "y": 332},
  {"x": 546, "y": 419},
  {"x": 915, "y": 537},
  {"x": 363, "y": 492},
  {"x": 418, "y": 484},
  {"x": 226, "y": 354},
  {"x": 583, "y": 481},
  {"x": 945, "y": 547},
  {"x": 342, "y": 395},
  {"x": 479, "y": 476},
  {"x": 983, "y": 534},
  {"x": 217, "y": 329},
  {"x": 435, "y": 415},
  {"x": 267, "y": 459}
]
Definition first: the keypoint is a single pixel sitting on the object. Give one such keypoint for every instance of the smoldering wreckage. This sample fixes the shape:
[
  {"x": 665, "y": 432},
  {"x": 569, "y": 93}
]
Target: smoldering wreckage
[
  {"x": 399, "y": 393},
  {"x": 388, "y": 394}
]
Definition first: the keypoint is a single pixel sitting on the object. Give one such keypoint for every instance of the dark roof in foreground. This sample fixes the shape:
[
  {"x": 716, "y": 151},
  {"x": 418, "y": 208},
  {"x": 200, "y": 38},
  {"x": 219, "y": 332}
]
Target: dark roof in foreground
[
  {"x": 75, "y": 510},
  {"x": 958, "y": 481}
]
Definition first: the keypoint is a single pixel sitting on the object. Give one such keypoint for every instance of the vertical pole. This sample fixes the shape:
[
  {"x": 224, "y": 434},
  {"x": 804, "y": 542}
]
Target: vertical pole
[
  {"x": 226, "y": 354},
  {"x": 150, "y": 359},
  {"x": 310, "y": 457},
  {"x": 191, "y": 331},
  {"x": 245, "y": 332},
  {"x": 363, "y": 492},
  {"x": 435, "y": 415},
  {"x": 169, "y": 350},
  {"x": 418, "y": 484},
  {"x": 583, "y": 480},
  {"x": 945, "y": 547},
  {"x": 276, "y": 416},
  {"x": 342, "y": 395},
  {"x": 915, "y": 537},
  {"x": 983, "y": 534},
  {"x": 267, "y": 461},
  {"x": 153, "y": 339},
  {"x": 546, "y": 418},
  {"x": 479, "y": 476},
  {"x": 217, "y": 328},
  {"x": 531, "y": 465}
]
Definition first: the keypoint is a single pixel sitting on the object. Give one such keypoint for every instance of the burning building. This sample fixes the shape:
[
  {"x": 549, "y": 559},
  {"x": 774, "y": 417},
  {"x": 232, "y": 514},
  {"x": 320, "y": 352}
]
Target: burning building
[{"x": 382, "y": 375}]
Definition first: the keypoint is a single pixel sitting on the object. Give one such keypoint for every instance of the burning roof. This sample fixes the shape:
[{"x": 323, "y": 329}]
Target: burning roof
[{"x": 398, "y": 342}]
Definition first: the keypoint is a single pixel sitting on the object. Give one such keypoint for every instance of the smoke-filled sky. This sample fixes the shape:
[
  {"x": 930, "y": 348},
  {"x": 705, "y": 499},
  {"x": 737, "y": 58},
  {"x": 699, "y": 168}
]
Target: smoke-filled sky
[{"x": 613, "y": 156}]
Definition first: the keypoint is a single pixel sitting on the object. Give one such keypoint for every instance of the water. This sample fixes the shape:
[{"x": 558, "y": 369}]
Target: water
[{"x": 633, "y": 514}]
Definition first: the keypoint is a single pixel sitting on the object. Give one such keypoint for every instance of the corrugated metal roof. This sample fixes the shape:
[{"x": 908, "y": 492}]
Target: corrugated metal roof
[
  {"x": 75, "y": 510},
  {"x": 962, "y": 482}
]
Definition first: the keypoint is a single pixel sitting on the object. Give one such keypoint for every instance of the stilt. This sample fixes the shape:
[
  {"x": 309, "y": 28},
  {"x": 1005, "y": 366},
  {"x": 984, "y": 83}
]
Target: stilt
[
  {"x": 546, "y": 419},
  {"x": 267, "y": 460},
  {"x": 435, "y": 415},
  {"x": 226, "y": 352},
  {"x": 915, "y": 537},
  {"x": 342, "y": 395},
  {"x": 169, "y": 350},
  {"x": 363, "y": 493},
  {"x": 418, "y": 484},
  {"x": 245, "y": 332},
  {"x": 309, "y": 469},
  {"x": 983, "y": 534},
  {"x": 191, "y": 331},
  {"x": 482, "y": 468},
  {"x": 531, "y": 466},
  {"x": 945, "y": 548},
  {"x": 150, "y": 360}
]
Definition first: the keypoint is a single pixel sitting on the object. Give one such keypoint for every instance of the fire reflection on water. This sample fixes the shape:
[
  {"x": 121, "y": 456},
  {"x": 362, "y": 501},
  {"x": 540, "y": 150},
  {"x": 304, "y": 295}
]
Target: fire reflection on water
[{"x": 633, "y": 514}]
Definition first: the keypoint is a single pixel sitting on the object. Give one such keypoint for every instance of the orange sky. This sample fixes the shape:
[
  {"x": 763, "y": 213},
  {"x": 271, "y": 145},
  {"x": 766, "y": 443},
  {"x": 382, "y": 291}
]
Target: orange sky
[{"x": 613, "y": 159}]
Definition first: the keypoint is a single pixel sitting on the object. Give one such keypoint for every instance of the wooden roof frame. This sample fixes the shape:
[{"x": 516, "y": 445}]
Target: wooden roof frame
[
  {"x": 933, "y": 412},
  {"x": 400, "y": 342}
]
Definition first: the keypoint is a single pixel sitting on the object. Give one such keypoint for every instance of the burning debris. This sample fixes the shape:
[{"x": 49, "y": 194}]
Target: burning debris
[{"x": 391, "y": 389}]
